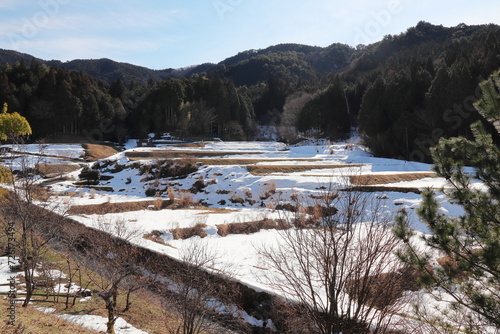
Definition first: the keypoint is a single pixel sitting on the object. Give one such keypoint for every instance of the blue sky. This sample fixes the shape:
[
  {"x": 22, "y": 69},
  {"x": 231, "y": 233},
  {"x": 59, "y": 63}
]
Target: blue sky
[{"x": 179, "y": 33}]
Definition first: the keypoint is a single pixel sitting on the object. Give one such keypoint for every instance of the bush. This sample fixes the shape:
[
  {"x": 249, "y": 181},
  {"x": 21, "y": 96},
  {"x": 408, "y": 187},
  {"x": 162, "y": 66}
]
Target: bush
[
  {"x": 151, "y": 192},
  {"x": 236, "y": 200},
  {"x": 165, "y": 169},
  {"x": 188, "y": 232},
  {"x": 5, "y": 175},
  {"x": 251, "y": 227},
  {"x": 198, "y": 186},
  {"x": 90, "y": 175}
]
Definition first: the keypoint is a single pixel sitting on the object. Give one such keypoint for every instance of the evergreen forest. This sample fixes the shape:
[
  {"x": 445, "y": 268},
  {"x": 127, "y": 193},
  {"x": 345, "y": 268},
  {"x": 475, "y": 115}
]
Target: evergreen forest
[{"x": 401, "y": 94}]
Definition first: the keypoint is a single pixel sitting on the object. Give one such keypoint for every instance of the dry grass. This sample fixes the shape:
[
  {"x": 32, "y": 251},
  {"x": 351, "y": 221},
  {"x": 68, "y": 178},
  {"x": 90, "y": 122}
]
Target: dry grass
[
  {"x": 366, "y": 180},
  {"x": 188, "y": 232},
  {"x": 145, "y": 312},
  {"x": 209, "y": 211},
  {"x": 270, "y": 169},
  {"x": 246, "y": 162},
  {"x": 184, "y": 202},
  {"x": 251, "y": 227},
  {"x": 377, "y": 292},
  {"x": 107, "y": 207},
  {"x": 95, "y": 152},
  {"x": 56, "y": 169},
  {"x": 35, "y": 321},
  {"x": 174, "y": 154},
  {"x": 196, "y": 145}
]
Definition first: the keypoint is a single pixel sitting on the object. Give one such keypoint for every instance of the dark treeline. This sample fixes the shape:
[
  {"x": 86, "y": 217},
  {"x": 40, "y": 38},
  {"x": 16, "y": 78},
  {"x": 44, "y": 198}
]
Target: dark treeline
[
  {"x": 403, "y": 93},
  {"x": 410, "y": 90},
  {"x": 59, "y": 101}
]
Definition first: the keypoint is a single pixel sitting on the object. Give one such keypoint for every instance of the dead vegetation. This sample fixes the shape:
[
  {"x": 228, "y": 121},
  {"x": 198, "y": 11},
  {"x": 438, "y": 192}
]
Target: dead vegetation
[
  {"x": 208, "y": 210},
  {"x": 155, "y": 236},
  {"x": 246, "y": 162},
  {"x": 382, "y": 290},
  {"x": 251, "y": 227},
  {"x": 47, "y": 170},
  {"x": 31, "y": 320},
  {"x": 173, "y": 154},
  {"x": 373, "y": 179},
  {"x": 196, "y": 145},
  {"x": 381, "y": 188},
  {"x": 270, "y": 169},
  {"x": 107, "y": 207},
  {"x": 188, "y": 232},
  {"x": 155, "y": 204},
  {"x": 94, "y": 152}
]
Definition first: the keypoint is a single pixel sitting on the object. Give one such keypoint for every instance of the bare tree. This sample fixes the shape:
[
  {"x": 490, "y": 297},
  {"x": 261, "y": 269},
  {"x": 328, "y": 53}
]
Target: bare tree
[
  {"x": 291, "y": 110},
  {"x": 27, "y": 208},
  {"x": 112, "y": 260},
  {"x": 335, "y": 267},
  {"x": 196, "y": 289}
]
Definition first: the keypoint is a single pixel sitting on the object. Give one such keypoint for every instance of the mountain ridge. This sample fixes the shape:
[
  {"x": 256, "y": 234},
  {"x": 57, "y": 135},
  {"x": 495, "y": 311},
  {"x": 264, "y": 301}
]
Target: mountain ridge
[{"x": 109, "y": 70}]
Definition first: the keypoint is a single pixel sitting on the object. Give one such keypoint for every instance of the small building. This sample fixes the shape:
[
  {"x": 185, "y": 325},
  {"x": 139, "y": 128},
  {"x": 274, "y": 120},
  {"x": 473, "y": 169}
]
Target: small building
[{"x": 145, "y": 143}]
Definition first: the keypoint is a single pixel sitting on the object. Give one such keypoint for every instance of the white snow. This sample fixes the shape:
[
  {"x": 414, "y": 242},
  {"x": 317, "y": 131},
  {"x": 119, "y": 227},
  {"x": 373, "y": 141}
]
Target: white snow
[
  {"x": 95, "y": 323},
  {"x": 258, "y": 192}
]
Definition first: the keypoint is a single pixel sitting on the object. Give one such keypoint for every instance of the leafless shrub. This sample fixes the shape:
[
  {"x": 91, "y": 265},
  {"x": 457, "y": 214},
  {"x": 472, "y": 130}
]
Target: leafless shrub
[
  {"x": 155, "y": 236},
  {"x": 291, "y": 110},
  {"x": 158, "y": 204},
  {"x": 31, "y": 232},
  {"x": 110, "y": 256},
  {"x": 171, "y": 194},
  {"x": 188, "y": 232},
  {"x": 251, "y": 227},
  {"x": 109, "y": 207},
  {"x": 194, "y": 294},
  {"x": 331, "y": 275},
  {"x": 185, "y": 199},
  {"x": 198, "y": 185}
]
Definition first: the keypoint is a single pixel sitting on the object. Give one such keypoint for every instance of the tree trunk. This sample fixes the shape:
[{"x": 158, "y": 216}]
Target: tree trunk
[
  {"x": 107, "y": 296},
  {"x": 127, "y": 301},
  {"x": 111, "y": 317},
  {"x": 29, "y": 287}
]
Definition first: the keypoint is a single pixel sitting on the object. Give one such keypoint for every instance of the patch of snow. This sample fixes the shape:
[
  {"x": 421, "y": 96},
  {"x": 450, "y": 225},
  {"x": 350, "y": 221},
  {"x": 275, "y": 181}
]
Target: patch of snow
[{"x": 94, "y": 322}]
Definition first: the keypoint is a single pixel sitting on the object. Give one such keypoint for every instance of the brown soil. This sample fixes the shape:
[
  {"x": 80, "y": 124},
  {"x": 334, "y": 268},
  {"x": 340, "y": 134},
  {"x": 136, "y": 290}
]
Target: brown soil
[
  {"x": 366, "y": 180},
  {"x": 58, "y": 169},
  {"x": 95, "y": 152}
]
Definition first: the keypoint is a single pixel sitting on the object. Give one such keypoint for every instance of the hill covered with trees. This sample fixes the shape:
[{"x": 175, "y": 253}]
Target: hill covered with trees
[{"x": 403, "y": 93}]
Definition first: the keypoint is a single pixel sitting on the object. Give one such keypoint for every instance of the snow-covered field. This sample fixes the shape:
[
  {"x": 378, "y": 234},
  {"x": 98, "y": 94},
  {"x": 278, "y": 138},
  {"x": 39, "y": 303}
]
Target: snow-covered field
[
  {"x": 240, "y": 195},
  {"x": 54, "y": 154}
]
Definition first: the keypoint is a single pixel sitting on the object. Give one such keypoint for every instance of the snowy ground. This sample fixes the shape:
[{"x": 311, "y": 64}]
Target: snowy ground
[
  {"x": 91, "y": 322},
  {"x": 259, "y": 192},
  {"x": 40, "y": 154}
]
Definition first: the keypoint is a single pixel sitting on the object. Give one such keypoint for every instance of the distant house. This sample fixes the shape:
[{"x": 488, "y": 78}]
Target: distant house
[{"x": 145, "y": 143}]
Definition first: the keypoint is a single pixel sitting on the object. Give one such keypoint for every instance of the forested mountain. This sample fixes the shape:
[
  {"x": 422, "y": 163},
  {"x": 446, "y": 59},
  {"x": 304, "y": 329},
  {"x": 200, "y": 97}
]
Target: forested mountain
[
  {"x": 109, "y": 70},
  {"x": 12, "y": 57},
  {"x": 403, "y": 93},
  {"x": 414, "y": 88},
  {"x": 299, "y": 60}
]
